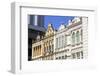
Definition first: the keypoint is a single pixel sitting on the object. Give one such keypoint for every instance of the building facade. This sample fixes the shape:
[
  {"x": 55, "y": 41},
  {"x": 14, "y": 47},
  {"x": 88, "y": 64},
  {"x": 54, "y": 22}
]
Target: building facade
[
  {"x": 37, "y": 48},
  {"x": 65, "y": 43},
  {"x": 62, "y": 43},
  {"x": 69, "y": 40},
  {"x": 48, "y": 43},
  {"x": 43, "y": 47}
]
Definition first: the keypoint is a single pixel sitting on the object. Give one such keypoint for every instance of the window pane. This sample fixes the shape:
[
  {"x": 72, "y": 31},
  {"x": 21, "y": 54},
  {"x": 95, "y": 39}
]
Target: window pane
[
  {"x": 73, "y": 38},
  {"x": 77, "y": 37}
]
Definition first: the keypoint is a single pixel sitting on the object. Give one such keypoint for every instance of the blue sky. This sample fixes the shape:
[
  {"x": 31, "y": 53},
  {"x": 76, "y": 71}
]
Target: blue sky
[{"x": 56, "y": 21}]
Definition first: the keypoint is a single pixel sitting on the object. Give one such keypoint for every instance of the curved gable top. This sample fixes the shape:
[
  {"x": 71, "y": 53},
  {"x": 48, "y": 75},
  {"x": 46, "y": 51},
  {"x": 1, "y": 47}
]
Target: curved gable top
[
  {"x": 61, "y": 27},
  {"x": 50, "y": 30}
]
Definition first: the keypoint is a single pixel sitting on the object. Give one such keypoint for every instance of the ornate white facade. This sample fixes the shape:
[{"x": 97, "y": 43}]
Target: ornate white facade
[{"x": 68, "y": 40}]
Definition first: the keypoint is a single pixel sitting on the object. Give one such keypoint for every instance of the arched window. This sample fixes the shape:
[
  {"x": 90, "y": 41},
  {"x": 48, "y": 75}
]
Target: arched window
[
  {"x": 52, "y": 47},
  {"x": 62, "y": 41},
  {"x": 49, "y": 42},
  {"x": 47, "y": 49},
  {"x": 44, "y": 49},
  {"x": 81, "y": 35},
  {"x": 77, "y": 37},
  {"x": 73, "y": 38}
]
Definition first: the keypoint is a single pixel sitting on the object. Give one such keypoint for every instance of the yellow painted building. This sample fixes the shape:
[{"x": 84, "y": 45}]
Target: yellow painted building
[
  {"x": 42, "y": 48},
  {"x": 37, "y": 48},
  {"x": 48, "y": 43}
]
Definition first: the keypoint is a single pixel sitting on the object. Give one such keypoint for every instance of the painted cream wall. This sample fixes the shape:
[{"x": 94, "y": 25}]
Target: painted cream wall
[{"x": 73, "y": 49}]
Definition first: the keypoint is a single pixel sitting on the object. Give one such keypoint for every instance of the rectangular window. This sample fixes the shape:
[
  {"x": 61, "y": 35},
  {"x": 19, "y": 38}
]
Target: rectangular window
[
  {"x": 62, "y": 41},
  {"x": 65, "y": 40},
  {"x": 52, "y": 47},
  {"x": 59, "y": 57},
  {"x": 62, "y": 57},
  {"x": 56, "y": 43},
  {"x": 78, "y": 55},
  {"x": 73, "y": 56},
  {"x": 82, "y": 54}
]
